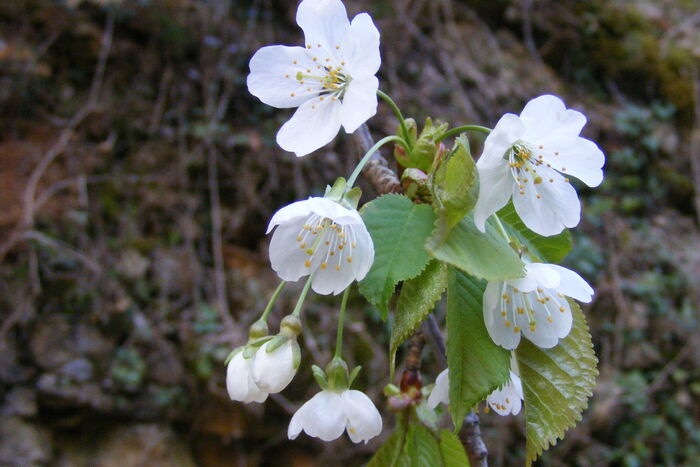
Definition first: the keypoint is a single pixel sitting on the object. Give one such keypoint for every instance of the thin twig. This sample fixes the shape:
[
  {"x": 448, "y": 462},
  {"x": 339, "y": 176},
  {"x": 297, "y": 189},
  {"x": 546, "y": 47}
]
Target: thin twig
[
  {"x": 57, "y": 149},
  {"x": 377, "y": 170}
]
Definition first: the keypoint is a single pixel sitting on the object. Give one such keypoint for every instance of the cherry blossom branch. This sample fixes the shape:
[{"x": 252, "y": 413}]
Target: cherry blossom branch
[
  {"x": 385, "y": 180},
  {"x": 377, "y": 170}
]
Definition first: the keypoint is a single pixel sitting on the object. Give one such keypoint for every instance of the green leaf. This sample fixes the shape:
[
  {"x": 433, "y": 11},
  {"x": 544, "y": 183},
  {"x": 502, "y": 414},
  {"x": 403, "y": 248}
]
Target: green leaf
[
  {"x": 454, "y": 188},
  {"x": 485, "y": 255},
  {"x": 399, "y": 229},
  {"x": 421, "y": 448},
  {"x": 409, "y": 446},
  {"x": 549, "y": 249},
  {"x": 417, "y": 299},
  {"x": 389, "y": 454},
  {"x": 452, "y": 450},
  {"x": 477, "y": 365},
  {"x": 557, "y": 383}
]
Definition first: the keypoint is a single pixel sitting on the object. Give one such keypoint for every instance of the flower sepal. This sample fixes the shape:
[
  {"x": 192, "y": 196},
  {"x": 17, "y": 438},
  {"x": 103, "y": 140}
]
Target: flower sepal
[
  {"x": 337, "y": 377},
  {"x": 257, "y": 336},
  {"x": 340, "y": 194}
]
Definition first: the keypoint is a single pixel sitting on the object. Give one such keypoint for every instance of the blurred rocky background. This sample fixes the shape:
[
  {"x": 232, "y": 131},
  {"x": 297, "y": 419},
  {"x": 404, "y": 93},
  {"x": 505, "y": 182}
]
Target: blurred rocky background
[{"x": 137, "y": 176}]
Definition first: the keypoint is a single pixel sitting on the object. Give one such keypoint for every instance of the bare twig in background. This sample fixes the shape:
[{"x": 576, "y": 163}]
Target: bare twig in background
[
  {"x": 29, "y": 196},
  {"x": 695, "y": 142},
  {"x": 623, "y": 310}
]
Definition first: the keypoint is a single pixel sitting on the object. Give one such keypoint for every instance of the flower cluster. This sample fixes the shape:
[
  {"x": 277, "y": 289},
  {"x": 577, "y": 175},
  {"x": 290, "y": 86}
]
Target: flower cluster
[{"x": 527, "y": 158}]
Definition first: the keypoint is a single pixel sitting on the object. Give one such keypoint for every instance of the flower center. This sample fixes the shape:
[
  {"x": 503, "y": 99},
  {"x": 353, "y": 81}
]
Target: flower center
[
  {"x": 320, "y": 237},
  {"x": 520, "y": 306},
  {"x": 524, "y": 166}
]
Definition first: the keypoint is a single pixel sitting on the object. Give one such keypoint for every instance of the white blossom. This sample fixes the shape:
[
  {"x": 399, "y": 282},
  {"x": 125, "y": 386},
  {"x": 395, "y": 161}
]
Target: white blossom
[
  {"x": 534, "y": 306},
  {"x": 508, "y": 399},
  {"x": 239, "y": 380},
  {"x": 331, "y": 79},
  {"x": 328, "y": 414},
  {"x": 273, "y": 371},
  {"x": 441, "y": 390},
  {"x": 529, "y": 158},
  {"x": 322, "y": 237}
]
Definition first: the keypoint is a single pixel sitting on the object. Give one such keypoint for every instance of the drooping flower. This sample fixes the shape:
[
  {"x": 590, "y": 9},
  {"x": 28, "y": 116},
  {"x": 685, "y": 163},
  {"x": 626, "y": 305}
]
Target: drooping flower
[
  {"x": 534, "y": 306},
  {"x": 508, "y": 399},
  {"x": 504, "y": 401},
  {"x": 530, "y": 158},
  {"x": 441, "y": 391},
  {"x": 329, "y": 413},
  {"x": 321, "y": 237},
  {"x": 277, "y": 360},
  {"x": 239, "y": 380},
  {"x": 331, "y": 79}
]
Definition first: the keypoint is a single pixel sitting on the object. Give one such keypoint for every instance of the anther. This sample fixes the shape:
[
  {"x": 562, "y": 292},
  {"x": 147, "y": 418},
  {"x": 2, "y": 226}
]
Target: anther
[
  {"x": 337, "y": 267},
  {"x": 292, "y": 95},
  {"x": 537, "y": 180},
  {"x": 307, "y": 263},
  {"x": 539, "y": 196},
  {"x": 349, "y": 259},
  {"x": 310, "y": 251},
  {"x": 337, "y": 47},
  {"x": 516, "y": 329},
  {"x": 324, "y": 265},
  {"x": 294, "y": 62},
  {"x": 507, "y": 323},
  {"x": 533, "y": 327},
  {"x": 549, "y": 319},
  {"x": 551, "y": 180},
  {"x": 562, "y": 309}
]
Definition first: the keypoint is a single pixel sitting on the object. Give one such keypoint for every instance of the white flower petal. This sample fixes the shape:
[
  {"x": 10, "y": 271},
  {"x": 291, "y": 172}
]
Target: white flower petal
[
  {"x": 441, "y": 391},
  {"x": 545, "y": 275},
  {"x": 273, "y": 371},
  {"x": 572, "y": 284},
  {"x": 500, "y": 333},
  {"x": 508, "y": 399},
  {"x": 239, "y": 381},
  {"x": 546, "y": 115},
  {"x": 272, "y": 77},
  {"x": 296, "y": 210},
  {"x": 359, "y": 102},
  {"x": 287, "y": 259},
  {"x": 556, "y": 208},
  {"x": 313, "y": 125},
  {"x": 551, "y": 324},
  {"x": 507, "y": 131},
  {"x": 360, "y": 47},
  {"x": 362, "y": 419},
  {"x": 321, "y": 417},
  {"x": 324, "y": 22},
  {"x": 325, "y": 207},
  {"x": 576, "y": 156},
  {"x": 495, "y": 186}
]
